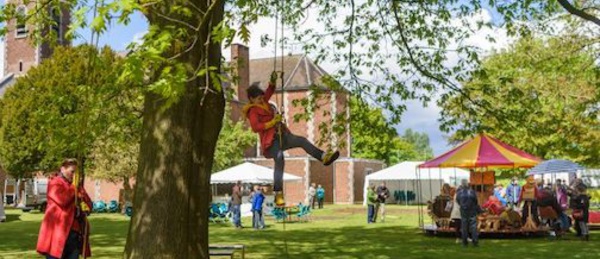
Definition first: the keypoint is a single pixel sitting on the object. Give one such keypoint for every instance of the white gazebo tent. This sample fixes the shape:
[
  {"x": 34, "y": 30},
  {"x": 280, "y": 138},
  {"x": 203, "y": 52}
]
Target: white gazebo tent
[
  {"x": 403, "y": 176},
  {"x": 248, "y": 173}
]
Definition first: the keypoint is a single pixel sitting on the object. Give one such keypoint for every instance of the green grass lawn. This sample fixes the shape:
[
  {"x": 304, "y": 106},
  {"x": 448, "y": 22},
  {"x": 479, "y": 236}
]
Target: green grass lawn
[{"x": 335, "y": 232}]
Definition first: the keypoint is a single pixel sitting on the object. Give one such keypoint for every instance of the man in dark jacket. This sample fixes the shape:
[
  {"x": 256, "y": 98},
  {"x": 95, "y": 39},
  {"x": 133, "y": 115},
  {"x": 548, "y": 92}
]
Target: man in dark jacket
[
  {"x": 382, "y": 194},
  {"x": 469, "y": 208}
]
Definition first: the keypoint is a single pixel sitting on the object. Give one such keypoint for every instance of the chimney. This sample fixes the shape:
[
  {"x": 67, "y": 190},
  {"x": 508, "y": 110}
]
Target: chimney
[{"x": 240, "y": 60}]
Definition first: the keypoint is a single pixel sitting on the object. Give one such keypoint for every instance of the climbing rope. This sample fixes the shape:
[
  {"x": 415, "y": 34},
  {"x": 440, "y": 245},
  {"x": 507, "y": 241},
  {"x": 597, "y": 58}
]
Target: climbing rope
[{"x": 280, "y": 99}]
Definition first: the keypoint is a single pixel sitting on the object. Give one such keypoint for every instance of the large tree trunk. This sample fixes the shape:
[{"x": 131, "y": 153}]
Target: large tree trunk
[{"x": 170, "y": 209}]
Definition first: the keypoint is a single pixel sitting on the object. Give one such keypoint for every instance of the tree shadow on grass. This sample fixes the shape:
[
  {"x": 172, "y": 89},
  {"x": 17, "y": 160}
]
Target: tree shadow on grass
[
  {"x": 390, "y": 242},
  {"x": 12, "y": 218},
  {"x": 107, "y": 236}
]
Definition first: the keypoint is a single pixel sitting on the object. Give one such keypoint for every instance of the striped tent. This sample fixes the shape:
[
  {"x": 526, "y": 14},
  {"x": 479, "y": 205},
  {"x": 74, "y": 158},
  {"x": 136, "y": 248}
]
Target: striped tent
[{"x": 483, "y": 151}]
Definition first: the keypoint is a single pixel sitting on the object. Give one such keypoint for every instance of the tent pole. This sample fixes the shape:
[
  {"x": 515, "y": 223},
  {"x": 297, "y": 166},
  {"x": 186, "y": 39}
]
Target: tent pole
[
  {"x": 406, "y": 192},
  {"x": 430, "y": 193}
]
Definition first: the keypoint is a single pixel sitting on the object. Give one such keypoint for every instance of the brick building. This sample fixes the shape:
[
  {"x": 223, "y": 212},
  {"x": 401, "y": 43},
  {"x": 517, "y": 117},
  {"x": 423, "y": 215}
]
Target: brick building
[
  {"x": 343, "y": 182},
  {"x": 20, "y": 54}
]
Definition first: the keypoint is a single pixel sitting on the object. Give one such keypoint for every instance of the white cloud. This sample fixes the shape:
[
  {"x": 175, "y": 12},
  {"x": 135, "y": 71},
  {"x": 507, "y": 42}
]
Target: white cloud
[{"x": 138, "y": 38}]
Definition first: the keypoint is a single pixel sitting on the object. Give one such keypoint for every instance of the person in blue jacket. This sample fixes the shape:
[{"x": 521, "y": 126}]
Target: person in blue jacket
[
  {"x": 257, "y": 208},
  {"x": 513, "y": 192},
  {"x": 499, "y": 193},
  {"x": 320, "y": 196}
]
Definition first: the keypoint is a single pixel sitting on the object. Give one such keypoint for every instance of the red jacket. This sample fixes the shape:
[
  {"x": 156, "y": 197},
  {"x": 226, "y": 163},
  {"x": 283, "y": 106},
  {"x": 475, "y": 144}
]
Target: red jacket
[
  {"x": 259, "y": 115},
  {"x": 59, "y": 217}
]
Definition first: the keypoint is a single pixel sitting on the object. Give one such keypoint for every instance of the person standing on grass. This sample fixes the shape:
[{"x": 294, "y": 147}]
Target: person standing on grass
[
  {"x": 469, "y": 208},
  {"x": 310, "y": 197},
  {"x": 320, "y": 196},
  {"x": 581, "y": 212},
  {"x": 2, "y": 215},
  {"x": 382, "y": 194},
  {"x": 257, "y": 208},
  {"x": 251, "y": 201},
  {"x": 236, "y": 202},
  {"x": 371, "y": 200},
  {"x": 63, "y": 232}
]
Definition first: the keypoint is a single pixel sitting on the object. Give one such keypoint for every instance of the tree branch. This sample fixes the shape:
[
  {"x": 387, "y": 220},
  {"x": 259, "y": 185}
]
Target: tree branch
[{"x": 578, "y": 12}]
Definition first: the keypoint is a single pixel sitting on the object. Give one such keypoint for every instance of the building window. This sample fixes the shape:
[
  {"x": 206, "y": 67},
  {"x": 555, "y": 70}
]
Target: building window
[
  {"x": 21, "y": 28},
  {"x": 20, "y": 66}
]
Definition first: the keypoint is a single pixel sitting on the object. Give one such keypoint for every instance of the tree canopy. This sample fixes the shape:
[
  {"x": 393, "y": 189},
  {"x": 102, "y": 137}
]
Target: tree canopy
[
  {"x": 69, "y": 106},
  {"x": 374, "y": 137},
  {"x": 235, "y": 138},
  {"x": 546, "y": 92}
]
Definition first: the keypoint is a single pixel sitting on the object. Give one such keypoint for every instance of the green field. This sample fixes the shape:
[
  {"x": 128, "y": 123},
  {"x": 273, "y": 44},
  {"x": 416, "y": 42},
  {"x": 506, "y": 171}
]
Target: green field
[{"x": 335, "y": 232}]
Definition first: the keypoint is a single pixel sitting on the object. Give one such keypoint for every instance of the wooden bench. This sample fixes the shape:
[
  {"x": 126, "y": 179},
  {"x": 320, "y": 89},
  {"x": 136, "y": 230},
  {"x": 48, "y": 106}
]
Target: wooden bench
[
  {"x": 220, "y": 252},
  {"x": 226, "y": 250}
]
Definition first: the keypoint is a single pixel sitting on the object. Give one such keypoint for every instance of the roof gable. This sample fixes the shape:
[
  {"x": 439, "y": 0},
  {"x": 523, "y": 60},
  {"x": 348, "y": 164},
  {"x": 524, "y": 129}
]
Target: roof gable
[{"x": 299, "y": 71}]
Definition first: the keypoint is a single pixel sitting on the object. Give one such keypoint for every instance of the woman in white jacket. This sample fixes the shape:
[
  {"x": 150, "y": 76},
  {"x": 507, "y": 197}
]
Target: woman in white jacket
[{"x": 455, "y": 216}]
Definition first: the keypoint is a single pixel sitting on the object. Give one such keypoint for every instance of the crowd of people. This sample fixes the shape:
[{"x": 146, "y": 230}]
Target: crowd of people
[
  {"x": 532, "y": 204},
  {"x": 376, "y": 198}
]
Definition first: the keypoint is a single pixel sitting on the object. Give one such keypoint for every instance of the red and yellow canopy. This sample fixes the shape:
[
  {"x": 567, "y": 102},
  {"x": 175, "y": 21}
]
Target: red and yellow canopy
[{"x": 484, "y": 151}]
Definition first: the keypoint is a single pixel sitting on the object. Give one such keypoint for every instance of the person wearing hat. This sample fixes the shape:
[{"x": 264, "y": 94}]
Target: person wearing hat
[{"x": 513, "y": 192}]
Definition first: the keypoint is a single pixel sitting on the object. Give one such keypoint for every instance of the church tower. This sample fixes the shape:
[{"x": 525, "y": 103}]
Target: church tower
[{"x": 20, "y": 52}]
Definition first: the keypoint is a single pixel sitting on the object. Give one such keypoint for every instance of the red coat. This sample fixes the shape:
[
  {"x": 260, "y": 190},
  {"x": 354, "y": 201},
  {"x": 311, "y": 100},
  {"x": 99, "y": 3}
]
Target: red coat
[
  {"x": 59, "y": 217},
  {"x": 259, "y": 115}
]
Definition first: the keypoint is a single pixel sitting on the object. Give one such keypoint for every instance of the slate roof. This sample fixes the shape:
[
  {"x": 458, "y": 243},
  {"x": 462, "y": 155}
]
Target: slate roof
[{"x": 299, "y": 72}]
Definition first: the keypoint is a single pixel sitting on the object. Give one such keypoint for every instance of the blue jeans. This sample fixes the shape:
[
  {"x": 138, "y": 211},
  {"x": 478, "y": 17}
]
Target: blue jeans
[
  {"x": 371, "y": 213},
  {"x": 236, "y": 214},
  {"x": 72, "y": 246},
  {"x": 258, "y": 219},
  {"x": 276, "y": 152},
  {"x": 468, "y": 223}
]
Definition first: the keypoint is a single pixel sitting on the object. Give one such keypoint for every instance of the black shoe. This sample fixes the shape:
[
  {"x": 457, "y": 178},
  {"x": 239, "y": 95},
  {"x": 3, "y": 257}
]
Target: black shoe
[
  {"x": 475, "y": 244},
  {"x": 329, "y": 158}
]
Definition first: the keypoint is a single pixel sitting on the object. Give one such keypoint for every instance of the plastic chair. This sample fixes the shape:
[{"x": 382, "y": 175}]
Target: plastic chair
[
  {"x": 129, "y": 211},
  {"x": 113, "y": 206},
  {"x": 224, "y": 211},
  {"x": 99, "y": 207},
  {"x": 279, "y": 213}
]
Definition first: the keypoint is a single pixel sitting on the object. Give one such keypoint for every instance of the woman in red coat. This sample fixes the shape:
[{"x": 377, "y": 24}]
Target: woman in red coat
[
  {"x": 63, "y": 229},
  {"x": 265, "y": 121}
]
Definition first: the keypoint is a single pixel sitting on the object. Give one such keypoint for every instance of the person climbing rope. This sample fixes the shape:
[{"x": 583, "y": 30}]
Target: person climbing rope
[{"x": 275, "y": 137}]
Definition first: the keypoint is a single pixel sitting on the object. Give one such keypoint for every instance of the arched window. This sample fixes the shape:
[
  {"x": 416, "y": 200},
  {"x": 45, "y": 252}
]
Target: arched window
[{"x": 21, "y": 28}]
